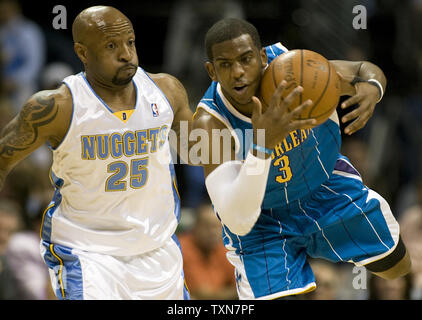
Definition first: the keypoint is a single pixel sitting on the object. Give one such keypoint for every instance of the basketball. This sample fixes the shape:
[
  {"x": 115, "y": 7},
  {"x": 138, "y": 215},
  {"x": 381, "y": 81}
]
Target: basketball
[{"x": 309, "y": 70}]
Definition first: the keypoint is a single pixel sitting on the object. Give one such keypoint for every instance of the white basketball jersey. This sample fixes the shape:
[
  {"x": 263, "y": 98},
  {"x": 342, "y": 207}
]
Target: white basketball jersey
[{"x": 115, "y": 183}]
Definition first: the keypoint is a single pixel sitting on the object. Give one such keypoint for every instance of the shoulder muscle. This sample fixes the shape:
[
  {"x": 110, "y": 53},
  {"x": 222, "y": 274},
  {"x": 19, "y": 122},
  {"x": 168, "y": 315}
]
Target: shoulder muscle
[
  {"x": 217, "y": 152},
  {"x": 173, "y": 89},
  {"x": 44, "y": 117}
]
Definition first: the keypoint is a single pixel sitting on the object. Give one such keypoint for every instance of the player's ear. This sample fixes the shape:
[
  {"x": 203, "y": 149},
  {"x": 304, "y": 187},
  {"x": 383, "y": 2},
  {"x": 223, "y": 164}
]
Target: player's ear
[
  {"x": 81, "y": 52},
  {"x": 264, "y": 57},
  {"x": 210, "y": 69}
]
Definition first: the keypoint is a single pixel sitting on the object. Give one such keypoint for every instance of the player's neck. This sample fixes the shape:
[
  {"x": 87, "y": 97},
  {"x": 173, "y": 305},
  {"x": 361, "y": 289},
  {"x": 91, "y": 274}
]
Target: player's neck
[
  {"x": 245, "y": 109},
  {"x": 116, "y": 97}
]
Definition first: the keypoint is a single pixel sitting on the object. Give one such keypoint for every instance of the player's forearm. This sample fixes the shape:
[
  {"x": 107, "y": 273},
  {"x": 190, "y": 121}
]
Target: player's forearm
[
  {"x": 368, "y": 71},
  {"x": 26, "y": 133},
  {"x": 352, "y": 72},
  {"x": 6, "y": 161},
  {"x": 8, "y": 128},
  {"x": 372, "y": 74},
  {"x": 3, "y": 175},
  {"x": 237, "y": 190},
  {"x": 4, "y": 153},
  {"x": 4, "y": 169}
]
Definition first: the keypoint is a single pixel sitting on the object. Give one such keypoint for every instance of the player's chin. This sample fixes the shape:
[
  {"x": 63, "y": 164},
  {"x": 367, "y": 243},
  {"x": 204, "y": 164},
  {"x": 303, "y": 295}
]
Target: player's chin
[
  {"x": 241, "y": 97},
  {"x": 124, "y": 76},
  {"x": 121, "y": 81},
  {"x": 244, "y": 101}
]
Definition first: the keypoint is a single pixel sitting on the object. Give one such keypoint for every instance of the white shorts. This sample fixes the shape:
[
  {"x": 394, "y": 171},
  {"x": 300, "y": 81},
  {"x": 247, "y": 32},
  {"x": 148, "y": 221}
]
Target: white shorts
[{"x": 81, "y": 275}]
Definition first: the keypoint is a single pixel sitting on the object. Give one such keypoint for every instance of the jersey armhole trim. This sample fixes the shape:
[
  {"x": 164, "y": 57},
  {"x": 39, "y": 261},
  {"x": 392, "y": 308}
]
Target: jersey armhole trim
[
  {"x": 217, "y": 116},
  {"x": 280, "y": 46},
  {"x": 155, "y": 84},
  {"x": 71, "y": 119},
  {"x": 230, "y": 107}
]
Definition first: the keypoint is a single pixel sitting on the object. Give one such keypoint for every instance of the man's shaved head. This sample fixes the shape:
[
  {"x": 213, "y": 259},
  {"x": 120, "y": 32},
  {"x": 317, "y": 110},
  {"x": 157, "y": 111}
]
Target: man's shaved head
[
  {"x": 104, "y": 40},
  {"x": 94, "y": 19}
]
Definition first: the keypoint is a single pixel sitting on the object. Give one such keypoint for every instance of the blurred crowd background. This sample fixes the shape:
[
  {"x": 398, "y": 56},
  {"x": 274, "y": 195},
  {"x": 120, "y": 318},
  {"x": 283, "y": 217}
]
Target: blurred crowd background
[{"x": 169, "y": 34}]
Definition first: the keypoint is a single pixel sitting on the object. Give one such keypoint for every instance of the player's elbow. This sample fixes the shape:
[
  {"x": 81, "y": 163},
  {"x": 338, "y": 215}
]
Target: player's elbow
[
  {"x": 238, "y": 220},
  {"x": 240, "y": 230},
  {"x": 237, "y": 214}
]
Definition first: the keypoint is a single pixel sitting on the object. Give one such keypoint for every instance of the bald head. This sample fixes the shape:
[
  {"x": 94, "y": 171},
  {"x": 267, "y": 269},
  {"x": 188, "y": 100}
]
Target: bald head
[
  {"x": 104, "y": 40},
  {"x": 102, "y": 19}
]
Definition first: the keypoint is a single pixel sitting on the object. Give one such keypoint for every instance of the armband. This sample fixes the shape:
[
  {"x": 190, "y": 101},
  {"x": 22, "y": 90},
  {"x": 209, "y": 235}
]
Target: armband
[
  {"x": 262, "y": 149},
  {"x": 237, "y": 190},
  {"x": 374, "y": 82},
  {"x": 379, "y": 86}
]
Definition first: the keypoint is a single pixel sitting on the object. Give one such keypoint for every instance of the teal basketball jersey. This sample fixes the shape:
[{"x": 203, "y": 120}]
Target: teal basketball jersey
[{"x": 300, "y": 163}]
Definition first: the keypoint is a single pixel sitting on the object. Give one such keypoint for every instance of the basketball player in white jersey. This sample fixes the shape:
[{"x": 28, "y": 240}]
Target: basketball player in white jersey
[{"x": 108, "y": 233}]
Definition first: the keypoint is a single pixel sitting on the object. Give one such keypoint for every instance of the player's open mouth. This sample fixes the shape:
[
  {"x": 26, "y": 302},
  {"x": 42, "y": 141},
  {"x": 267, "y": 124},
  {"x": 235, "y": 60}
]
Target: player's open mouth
[{"x": 241, "y": 89}]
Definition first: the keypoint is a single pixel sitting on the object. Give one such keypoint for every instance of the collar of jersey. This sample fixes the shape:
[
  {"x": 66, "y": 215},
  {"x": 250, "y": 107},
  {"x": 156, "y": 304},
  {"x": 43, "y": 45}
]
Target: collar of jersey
[
  {"x": 230, "y": 107},
  {"x": 82, "y": 74}
]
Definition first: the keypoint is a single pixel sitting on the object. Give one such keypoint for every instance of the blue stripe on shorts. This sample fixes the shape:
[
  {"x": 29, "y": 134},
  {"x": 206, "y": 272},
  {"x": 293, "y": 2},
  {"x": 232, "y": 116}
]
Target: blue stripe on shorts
[
  {"x": 342, "y": 220},
  {"x": 67, "y": 270}
]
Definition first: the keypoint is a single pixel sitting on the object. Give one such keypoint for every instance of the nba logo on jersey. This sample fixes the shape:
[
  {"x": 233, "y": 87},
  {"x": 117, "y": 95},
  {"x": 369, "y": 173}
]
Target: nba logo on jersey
[{"x": 154, "y": 109}]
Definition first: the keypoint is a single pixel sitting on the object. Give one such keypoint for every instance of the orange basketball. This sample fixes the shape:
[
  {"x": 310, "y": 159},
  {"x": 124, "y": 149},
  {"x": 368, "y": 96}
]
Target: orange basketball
[{"x": 310, "y": 70}]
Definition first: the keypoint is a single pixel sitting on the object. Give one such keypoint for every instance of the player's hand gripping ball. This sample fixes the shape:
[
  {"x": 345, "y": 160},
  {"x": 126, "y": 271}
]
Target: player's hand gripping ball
[{"x": 309, "y": 70}]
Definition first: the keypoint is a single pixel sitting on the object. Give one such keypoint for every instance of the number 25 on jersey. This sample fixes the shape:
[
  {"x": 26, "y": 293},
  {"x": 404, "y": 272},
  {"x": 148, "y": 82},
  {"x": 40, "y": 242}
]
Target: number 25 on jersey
[{"x": 118, "y": 180}]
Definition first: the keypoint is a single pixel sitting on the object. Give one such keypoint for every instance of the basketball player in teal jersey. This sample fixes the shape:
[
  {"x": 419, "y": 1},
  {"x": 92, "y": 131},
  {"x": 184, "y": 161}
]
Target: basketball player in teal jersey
[
  {"x": 109, "y": 231},
  {"x": 307, "y": 199}
]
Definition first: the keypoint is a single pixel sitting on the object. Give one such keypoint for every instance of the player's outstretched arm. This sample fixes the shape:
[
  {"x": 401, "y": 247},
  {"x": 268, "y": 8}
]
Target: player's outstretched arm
[
  {"x": 365, "y": 83},
  {"x": 237, "y": 188},
  {"x": 44, "y": 117}
]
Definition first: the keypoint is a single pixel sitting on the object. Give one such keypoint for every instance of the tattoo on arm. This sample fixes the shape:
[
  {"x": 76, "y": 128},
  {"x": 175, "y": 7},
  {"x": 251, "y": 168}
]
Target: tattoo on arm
[{"x": 25, "y": 130}]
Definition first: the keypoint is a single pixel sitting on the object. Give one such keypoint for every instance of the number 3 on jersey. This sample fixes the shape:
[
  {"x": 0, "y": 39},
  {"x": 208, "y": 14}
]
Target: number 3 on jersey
[
  {"x": 283, "y": 165},
  {"x": 138, "y": 175}
]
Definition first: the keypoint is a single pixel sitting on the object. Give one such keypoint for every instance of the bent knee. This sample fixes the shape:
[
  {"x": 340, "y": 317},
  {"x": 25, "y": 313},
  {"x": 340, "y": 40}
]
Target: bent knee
[
  {"x": 400, "y": 269},
  {"x": 396, "y": 264}
]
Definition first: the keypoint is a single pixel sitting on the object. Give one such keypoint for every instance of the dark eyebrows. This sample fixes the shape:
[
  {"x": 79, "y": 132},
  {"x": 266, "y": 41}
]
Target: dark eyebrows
[
  {"x": 246, "y": 53},
  {"x": 219, "y": 58}
]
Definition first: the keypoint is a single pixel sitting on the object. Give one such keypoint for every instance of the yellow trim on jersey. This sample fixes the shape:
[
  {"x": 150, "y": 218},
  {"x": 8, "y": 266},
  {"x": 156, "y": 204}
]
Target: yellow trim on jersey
[
  {"x": 43, "y": 216},
  {"x": 124, "y": 115},
  {"x": 50, "y": 176},
  {"x": 186, "y": 286},
  {"x": 60, "y": 269},
  {"x": 175, "y": 187}
]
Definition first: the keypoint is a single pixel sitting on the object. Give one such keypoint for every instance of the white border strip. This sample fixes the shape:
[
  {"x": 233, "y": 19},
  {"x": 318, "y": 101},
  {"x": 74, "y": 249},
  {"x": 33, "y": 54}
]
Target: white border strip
[{"x": 309, "y": 287}]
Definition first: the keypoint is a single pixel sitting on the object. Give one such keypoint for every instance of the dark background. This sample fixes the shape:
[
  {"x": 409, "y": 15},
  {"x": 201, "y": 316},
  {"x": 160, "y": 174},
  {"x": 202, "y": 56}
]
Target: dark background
[
  {"x": 169, "y": 38},
  {"x": 274, "y": 19},
  {"x": 392, "y": 40}
]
